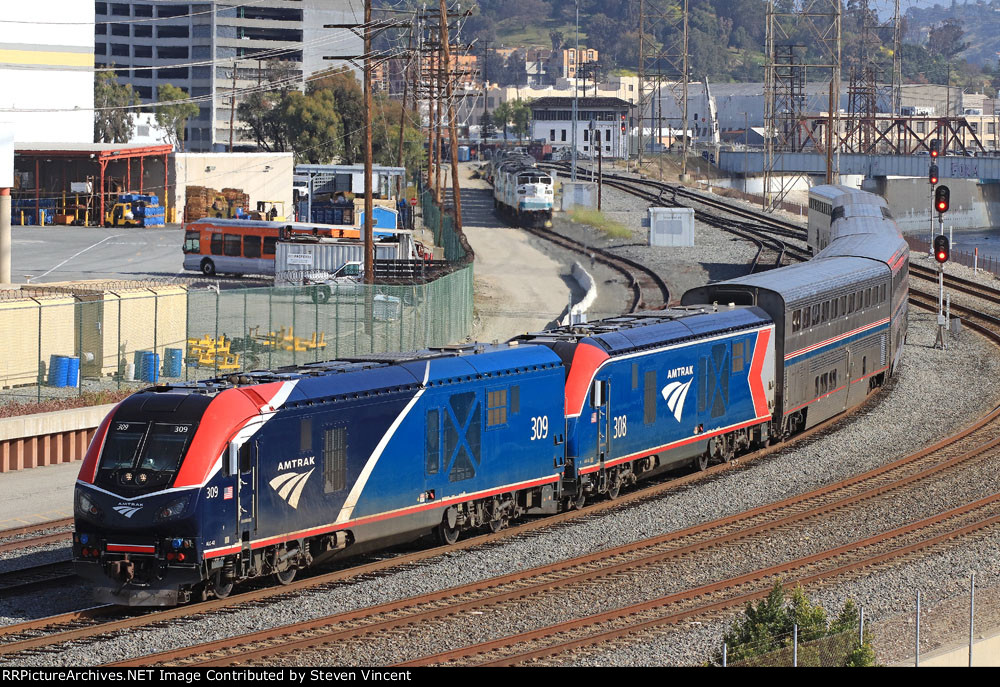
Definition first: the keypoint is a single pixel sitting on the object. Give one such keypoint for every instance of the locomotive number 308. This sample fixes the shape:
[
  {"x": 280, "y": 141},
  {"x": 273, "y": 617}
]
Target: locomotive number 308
[{"x": 539, "y": 427}]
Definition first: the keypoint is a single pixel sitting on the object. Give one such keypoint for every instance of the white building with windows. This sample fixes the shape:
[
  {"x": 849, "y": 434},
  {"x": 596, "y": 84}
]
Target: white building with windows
[
  {"x": 211, "y": 49},
  {"x": 602, "y": 124},
  {"x": 47, "y": 71}
]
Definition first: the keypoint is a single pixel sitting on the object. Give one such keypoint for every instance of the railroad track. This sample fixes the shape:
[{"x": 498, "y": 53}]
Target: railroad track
[
  {"x": 648, "y": 290},
  {"x": 17, "y": 538},
  {"x": 42, "y": 576},
  {"x": 767, "y": 234},
  {"x": 620, "y": 625},
  {"x": 631, "y": 563}
]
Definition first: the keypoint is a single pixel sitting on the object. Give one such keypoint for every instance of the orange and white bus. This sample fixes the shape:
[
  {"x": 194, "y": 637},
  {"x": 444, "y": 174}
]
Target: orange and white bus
[{"x": 236, "y": 246}]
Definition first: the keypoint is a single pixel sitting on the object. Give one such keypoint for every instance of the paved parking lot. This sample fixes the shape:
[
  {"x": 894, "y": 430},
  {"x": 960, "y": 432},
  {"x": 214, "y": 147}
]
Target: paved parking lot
[{"x": 51, "y": 254}]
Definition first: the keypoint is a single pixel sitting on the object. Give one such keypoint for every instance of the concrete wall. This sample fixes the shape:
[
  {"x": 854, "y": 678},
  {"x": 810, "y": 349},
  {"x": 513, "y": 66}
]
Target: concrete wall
[
  {"x": 32, "y": 331},
  {"x": 974, "y": 205},
  {"x": 48, "y": 66},
  {"x": 264, "y": 176}
]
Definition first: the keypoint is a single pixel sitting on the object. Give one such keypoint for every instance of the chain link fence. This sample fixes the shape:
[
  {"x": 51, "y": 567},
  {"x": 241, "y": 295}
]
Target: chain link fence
[{"x": 66, "y": 341}]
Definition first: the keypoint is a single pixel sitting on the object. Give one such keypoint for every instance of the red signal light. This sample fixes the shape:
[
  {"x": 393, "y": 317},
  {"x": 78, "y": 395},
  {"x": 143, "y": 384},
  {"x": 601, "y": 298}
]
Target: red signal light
[
  {"x": 942, "y": 198},
  {"x": 942, "y": 249}
]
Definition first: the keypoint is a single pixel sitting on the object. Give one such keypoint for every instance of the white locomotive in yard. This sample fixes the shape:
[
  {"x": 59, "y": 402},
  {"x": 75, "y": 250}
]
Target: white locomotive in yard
[{"x": 521, "y": 192}]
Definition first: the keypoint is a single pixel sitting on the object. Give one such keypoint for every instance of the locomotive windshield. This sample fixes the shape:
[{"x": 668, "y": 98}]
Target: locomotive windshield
[
  {"x": 122, "y": 444},
  {"x": 140, "y": 455}
]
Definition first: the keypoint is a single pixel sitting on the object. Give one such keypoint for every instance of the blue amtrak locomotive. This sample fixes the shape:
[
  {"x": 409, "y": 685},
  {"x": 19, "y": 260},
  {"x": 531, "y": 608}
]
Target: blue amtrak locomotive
[{"x": 187, "y": 490}]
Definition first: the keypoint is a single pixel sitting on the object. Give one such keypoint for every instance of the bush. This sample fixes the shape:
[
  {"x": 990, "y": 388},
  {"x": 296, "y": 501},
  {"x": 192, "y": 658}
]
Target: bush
[{"x": 764, "y": 635}]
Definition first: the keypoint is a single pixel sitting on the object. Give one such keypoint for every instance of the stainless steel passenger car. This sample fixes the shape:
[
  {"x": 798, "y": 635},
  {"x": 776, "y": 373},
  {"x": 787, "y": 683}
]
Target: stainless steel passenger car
[{"x": 840, "y": 318}]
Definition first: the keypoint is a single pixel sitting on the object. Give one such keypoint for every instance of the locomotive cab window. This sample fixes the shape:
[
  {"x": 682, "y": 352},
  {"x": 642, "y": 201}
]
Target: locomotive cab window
[
  {"x": 164, "y": 449},
  {"x": 121, "y": 445}
]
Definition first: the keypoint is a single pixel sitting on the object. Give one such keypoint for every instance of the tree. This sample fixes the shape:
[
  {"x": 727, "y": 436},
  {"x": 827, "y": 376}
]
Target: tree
[
  {"x": 502, "y": 116},
  {"x": 174, "y": 117},
  {"x": 767, "y": 627},
  {"x": 306, "y": 124},
  {"x": 946, "y": 38},
  {"x": 349, "y": 102},
  {"x": 520, "y": 115},
  {"x": 113, "y": 116},
  {"x": 312, "y": 126}
]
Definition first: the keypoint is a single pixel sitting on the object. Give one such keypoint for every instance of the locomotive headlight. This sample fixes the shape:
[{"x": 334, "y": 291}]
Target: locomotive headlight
[
  {"x": 173, "y": 509},
  {"x": 86, "y": 507}
]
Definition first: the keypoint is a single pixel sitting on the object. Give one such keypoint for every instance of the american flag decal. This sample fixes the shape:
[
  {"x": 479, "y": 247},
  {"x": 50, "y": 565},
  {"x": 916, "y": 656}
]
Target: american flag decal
[{"x": 228, "y": 493}]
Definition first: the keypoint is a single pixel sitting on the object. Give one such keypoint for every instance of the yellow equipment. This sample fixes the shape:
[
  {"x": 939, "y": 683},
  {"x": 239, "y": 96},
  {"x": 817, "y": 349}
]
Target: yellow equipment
[
  {"x": 121, "y": 216},
  {"x": 270, "y": 211}
]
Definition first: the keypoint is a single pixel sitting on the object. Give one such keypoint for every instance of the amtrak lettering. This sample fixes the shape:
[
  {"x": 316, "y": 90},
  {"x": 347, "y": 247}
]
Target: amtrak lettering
[
  {"x": 680, "y": 371},
  {"x": 297, "y": 463}
]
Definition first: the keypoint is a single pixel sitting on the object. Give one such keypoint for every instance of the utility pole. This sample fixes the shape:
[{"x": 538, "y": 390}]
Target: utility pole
[
  {"x": 576, "y": 88},
  {"x": 453, "y": 131},
  {"x": 367, "y": 35},
  {"x": 402, "y": 111},
  {"x": 369, "y": 205},
  {"x": 232, "y": 109}
]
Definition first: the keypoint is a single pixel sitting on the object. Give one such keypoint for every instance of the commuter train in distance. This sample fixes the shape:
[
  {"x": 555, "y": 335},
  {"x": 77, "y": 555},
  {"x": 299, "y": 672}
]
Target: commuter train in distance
[
  {"x": 188, "y": 490},
  {"x": 522, "y": 192}
]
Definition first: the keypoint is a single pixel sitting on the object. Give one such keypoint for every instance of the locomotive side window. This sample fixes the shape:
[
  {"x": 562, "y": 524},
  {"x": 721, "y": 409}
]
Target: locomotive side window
[
  {"x": 432, "y": 443},
  {"x": 121, "y": 445},
  {"x": 737, "y": 356},
  {"x": 334, "y": 459},
  {"x": 515, "y": 399},
  {"x": 305, "y": 434},
  {"x": 649, "y": 398},
  {"x": 635, "y": 376},
  {"x": 496, "y": 408}
]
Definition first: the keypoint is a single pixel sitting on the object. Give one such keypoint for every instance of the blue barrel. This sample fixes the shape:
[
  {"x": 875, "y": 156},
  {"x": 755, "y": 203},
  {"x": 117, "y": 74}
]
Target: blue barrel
[
  {"x": 173, "y": 362},
  {"x": 58, "y": 367},
  {"x": 150, "y": 369},
  {"x": 72, "y": 370}
]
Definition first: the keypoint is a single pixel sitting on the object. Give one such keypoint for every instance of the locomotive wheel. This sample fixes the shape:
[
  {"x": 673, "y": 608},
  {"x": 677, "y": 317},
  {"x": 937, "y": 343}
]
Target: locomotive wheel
[
  {"x": 700, "y": 462},
  {"x": 220, "y": 588},
  {"x": 285, "y": 577},
  {"x": 614, "y": 484},
  {"x": 448, "y": 531},
  {"x": 577, "y": 503}
]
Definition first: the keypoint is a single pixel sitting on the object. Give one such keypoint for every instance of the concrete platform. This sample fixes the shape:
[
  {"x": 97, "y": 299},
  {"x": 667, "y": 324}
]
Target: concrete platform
[{"x": 39, "y": 495}]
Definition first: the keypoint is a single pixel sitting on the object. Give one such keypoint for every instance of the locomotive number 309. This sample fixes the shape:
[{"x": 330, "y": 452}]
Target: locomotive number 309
[{"x": 539, "y": 427}]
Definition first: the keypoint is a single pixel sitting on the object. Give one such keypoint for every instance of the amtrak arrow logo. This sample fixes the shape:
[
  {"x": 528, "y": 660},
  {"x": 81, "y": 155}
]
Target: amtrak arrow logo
[
  {"x": 289, "y": 486},
  {"x": 674, "y": 394},
  {"x": 127, "y": 509}
]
